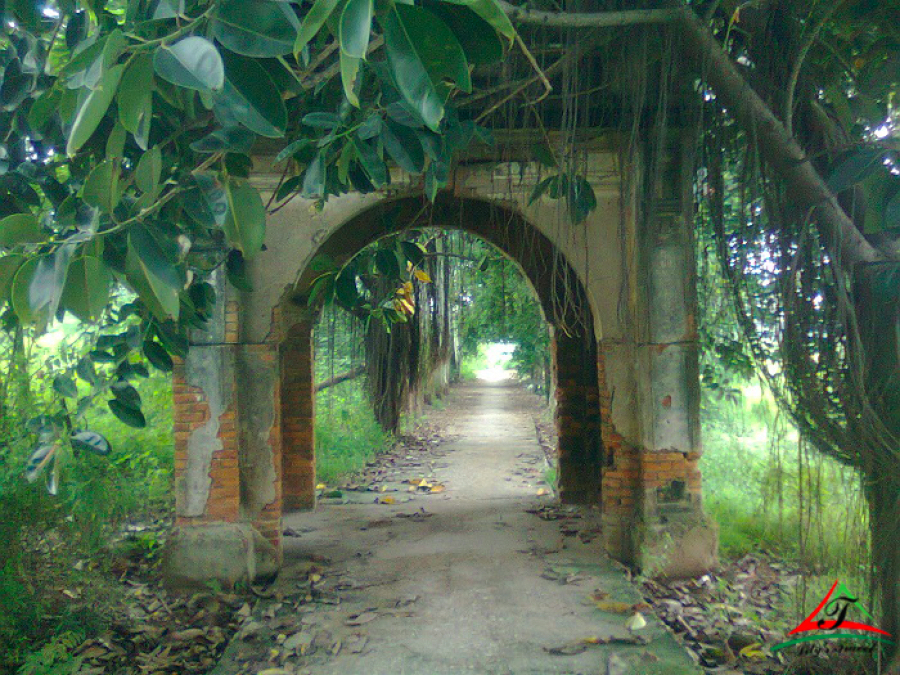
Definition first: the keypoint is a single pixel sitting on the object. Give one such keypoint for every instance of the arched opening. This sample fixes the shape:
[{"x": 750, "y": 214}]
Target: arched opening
[{"x": 562, "y": 297}]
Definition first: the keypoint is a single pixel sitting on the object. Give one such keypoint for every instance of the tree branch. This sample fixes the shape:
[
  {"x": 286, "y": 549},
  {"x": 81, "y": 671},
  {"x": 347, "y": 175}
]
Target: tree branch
[
  {"x": 343, "y": 377},
  {"x": 781, "y": 152},
  {"x": 789, "y": 161},
  {"x": 588, "y": 19}
]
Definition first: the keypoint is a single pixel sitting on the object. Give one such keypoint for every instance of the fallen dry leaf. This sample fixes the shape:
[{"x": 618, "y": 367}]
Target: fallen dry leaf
[
  {"x": 568, "y": 649},
  {"x": 360, "y": 619},
  {"x": 614, "y": 606},
  {"x": 298, "y": 642}
]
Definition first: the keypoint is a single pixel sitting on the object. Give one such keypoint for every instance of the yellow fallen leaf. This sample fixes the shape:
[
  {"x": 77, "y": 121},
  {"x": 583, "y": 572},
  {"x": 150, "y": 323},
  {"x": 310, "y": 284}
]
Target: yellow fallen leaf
[
  {"x": 614, "y": 606},
  {"x": 437, "y": 488},
  {"x": 543, "y": 492},
  {"x": 387, "y": 500},
  {"x": 753, "y": 651},
  {"x": 320, "y": 486},
  {"x": 315, "y": 578},
  {"x": 424, "y": 485},
  {"x": 415, "y": 481}
]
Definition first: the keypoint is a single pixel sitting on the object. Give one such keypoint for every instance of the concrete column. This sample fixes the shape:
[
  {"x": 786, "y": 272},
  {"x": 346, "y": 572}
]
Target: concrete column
[
  {"x": 677, "y": 538},
  {"x": 211, "y": 539}
]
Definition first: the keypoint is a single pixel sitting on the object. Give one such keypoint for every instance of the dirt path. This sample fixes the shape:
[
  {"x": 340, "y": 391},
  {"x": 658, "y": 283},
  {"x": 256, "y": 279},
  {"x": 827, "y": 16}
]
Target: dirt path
[{"x": 481, "y": 576}]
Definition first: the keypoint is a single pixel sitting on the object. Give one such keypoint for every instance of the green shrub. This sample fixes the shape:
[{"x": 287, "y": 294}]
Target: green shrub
[{"x": 347, "y": 434}]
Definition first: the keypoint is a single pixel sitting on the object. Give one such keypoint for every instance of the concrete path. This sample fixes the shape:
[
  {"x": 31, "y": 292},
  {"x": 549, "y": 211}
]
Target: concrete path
[{"x": 484, "y": 576}]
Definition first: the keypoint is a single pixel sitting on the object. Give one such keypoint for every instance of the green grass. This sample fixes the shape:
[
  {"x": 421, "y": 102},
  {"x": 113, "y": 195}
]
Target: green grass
[
  {"x": 347, "y": 435},
  {"x": 770, "y": 491}
]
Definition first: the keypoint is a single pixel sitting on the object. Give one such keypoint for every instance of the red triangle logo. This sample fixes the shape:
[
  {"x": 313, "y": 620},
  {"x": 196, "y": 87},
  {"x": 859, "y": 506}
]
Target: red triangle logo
[{"x": 838, "y": 613}]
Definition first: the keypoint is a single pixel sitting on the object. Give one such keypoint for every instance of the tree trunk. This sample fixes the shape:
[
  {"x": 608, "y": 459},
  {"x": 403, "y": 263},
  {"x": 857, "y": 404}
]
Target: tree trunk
[
  {"x": 387, "y": 367},
  {"x": 883, "y": 496}
]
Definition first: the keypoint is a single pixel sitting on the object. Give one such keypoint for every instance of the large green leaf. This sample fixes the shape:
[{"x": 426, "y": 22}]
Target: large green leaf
[
  {"x": 387, "y": 264},
  {"x": 30, "y": 288},
  {"x": 135, "y": 98},
  {"x": 133, "y": 417},
  {"x": 93, "y": 109},
  {"x": 158, "y": 356},
  {"x": 372, "y": 164},
  {"x": 20, "y": 228},
  {"x": 101, "y": 187},
  {"x": 256, "y": 28},
  {"x": 490, "y": 11},
  {"x": 245, "y": 224},
  {"x": 192, "y": 63},
  {"x": 127, "y": 394},
  {"x": 86, "y": 292},
  {"x": 43, "y": 108},
  {"x": 9, "y": 265},
  {"x": 207, "y": 202},
  {"x": 91, "y": 441},
  {"x": 148, "y": 171},
  {"x": 349, "y": 74},
  {"x": 404, "y": 147},
  {"x": 236, "y": 139},
  {"x": 313, "y": 22},
  {"x": 65, "y": 386},
  {"x": 251, "y": 98},
  {"x": 355, "y": 27},
  {"x": 153, "y": 273},
  {"x": 314, "y": 178},
  {"x": 479, "y": 40},
  {"x": 424, "y": 56},
  {"x": 115, "y": 45},
  {"x": 236, "y": 271}
]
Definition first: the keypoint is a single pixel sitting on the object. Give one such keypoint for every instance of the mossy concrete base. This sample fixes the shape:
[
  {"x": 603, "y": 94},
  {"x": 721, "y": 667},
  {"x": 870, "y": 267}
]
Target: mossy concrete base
[
  {"x": 227, "y": 552},
  {"x": 678, "y": 550}
]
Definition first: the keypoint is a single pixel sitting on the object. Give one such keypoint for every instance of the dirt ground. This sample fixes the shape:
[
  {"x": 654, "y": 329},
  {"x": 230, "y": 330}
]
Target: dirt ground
[{"x": 452, "y": 557}]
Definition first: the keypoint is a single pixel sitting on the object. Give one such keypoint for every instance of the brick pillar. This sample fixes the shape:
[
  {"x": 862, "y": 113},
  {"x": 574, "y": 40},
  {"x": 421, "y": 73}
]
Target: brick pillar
[
  {"x": 578, "y": 418},
  {"x": 206, "y": 445},
  {"x": 212, "y": 538},
  {"x": 297, "y": 417},
  {"x": 621, "y": 479}
]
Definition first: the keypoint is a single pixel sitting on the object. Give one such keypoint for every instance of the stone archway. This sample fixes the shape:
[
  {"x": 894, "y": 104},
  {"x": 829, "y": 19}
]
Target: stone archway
[
  {"x": 562, "y": 297},
  {"x": 625, "y": 350}
]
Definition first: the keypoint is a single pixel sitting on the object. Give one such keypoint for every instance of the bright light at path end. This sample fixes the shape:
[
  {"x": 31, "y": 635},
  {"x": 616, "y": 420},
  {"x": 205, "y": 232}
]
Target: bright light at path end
[
  {"x": 495, "y": 374},
  {"x": 498, "y": 356}
]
